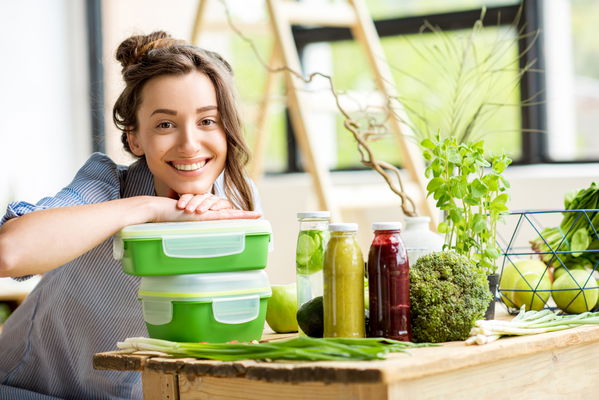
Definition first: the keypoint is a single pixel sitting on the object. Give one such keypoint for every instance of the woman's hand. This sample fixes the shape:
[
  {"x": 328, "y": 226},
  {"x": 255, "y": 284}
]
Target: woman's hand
[
  {"x": 191, "y": 207},
  {"x": 200, "y": 203}
]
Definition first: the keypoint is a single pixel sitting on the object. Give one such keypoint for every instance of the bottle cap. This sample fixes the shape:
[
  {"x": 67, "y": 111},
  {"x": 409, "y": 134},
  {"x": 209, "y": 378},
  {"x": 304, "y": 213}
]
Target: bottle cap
[
  {"x": 313, "y": 214},
  {"x": 343, "y": 227},
  {"x": 386, "y": 226}
]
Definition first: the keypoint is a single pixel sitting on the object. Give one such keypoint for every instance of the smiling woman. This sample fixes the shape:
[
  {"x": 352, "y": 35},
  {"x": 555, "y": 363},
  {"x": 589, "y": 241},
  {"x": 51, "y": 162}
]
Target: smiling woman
[{"x": 178, "y": 116}]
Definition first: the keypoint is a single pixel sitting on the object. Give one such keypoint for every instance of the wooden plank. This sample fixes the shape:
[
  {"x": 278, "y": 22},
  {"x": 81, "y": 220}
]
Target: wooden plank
[
  {"x": 159, "y": 386},
  {"x": 298, "y": 110},
  {"x": 261, "y": 132},
  {"x": 365, "y": 33},
  {"x": 196, "y": 388},
  {"x": 120, "y": 361},
  {"x": 416, "y": 364},
  {"x": 566, "y": 373}
]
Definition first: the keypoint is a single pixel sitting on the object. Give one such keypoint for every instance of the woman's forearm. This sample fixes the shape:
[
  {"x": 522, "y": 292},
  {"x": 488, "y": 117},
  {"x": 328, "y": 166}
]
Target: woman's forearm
[{"x": 43, "y": 240}]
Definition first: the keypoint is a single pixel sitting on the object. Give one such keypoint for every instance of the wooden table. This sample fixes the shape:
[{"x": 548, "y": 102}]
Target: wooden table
[{"x": 557, "y": 365}]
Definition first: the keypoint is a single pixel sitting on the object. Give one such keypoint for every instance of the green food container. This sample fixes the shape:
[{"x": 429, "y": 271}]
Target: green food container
[
  {"x": 169, "y": 248},
  {"x": 212, "y": 307}
]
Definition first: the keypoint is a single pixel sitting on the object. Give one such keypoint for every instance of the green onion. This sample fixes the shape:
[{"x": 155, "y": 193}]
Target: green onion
[
  {"x": 528, "y": 323},
  {"x": 301, "y": 348}
]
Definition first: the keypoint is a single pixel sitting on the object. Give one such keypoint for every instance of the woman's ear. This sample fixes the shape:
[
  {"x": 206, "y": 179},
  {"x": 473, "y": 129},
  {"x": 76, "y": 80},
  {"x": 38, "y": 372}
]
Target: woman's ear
[{"x": 134, "y": 143}]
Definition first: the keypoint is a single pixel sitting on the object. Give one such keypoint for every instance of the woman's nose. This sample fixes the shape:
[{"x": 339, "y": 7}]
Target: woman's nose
[{"x": 188, "y": 141}]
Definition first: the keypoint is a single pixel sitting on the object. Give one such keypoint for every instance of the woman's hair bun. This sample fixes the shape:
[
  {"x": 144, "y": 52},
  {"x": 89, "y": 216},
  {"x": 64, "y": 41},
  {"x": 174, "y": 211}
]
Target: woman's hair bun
[{"x": 132, "y": 49}]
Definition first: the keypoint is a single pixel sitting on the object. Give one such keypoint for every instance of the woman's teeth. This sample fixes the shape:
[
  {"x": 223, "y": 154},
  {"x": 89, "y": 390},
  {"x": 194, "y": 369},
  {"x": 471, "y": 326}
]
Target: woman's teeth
[{"x": 189, "y": 167}]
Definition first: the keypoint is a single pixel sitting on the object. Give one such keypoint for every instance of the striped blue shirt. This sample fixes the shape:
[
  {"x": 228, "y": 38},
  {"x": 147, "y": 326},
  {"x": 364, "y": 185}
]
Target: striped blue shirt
[{"x": 83, "y": 307}]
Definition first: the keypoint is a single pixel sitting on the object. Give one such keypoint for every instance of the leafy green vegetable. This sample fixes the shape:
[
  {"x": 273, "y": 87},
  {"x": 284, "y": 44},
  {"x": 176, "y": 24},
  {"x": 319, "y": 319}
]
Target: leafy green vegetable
[
  {"x": 472, "y": 198},
  {"x": 577, "y": 232},
  {"x": 301, "y": 348},
  {"x": 448, "y": 293},
  {"x": 528, "y": 323}
]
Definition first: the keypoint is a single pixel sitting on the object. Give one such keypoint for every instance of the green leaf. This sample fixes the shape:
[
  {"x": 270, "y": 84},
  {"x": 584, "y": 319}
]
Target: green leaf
[
  {"x": 499, "y": 203},
  {"x": 443, "y": 227},
  {"x": 478, "y": 189},
  {"x": 580, "y": 241},
  {"x": 435, "y": 184},
  {"x": 479, "y": 223},
  {"x": 428, "y": 144},
  {"x": 453, "y": 156}
]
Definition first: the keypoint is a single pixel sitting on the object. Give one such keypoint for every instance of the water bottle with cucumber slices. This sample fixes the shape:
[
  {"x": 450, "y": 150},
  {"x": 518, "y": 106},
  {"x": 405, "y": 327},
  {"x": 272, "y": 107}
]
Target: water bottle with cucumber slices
[{"x": 311, "y": 243}]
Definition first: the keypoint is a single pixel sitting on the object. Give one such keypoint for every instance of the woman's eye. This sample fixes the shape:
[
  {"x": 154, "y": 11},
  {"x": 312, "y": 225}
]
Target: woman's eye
[
  {"x": 165, "y": 125},
  {"x": 208, "y": 122}
]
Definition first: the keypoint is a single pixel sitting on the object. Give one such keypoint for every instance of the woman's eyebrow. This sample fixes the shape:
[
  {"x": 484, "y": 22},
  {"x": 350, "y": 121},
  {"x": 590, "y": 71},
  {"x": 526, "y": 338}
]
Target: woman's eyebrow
[
  {"x": 163, "y": 111},
  {"x": 206, "y": 108}
]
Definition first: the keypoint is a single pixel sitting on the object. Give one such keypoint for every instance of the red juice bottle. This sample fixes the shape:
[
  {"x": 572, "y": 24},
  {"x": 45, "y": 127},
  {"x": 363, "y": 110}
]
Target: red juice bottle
[{"x": 389, "y": 284}]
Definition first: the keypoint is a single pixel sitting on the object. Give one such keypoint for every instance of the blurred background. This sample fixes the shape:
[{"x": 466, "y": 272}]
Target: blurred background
[{"x": 59, "y": 80}]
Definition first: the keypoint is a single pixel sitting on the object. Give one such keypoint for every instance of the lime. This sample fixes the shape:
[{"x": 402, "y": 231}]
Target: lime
[{"x": 575, "y": 292}]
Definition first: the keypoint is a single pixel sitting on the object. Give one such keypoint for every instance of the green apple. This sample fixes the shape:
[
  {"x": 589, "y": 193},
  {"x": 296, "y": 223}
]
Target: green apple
[
  {"x": 513, "y": 272},
  {"x": 282, "y": 308},
  {"x": 575, "y": 292},
  {"x": 532, "y": 291}
]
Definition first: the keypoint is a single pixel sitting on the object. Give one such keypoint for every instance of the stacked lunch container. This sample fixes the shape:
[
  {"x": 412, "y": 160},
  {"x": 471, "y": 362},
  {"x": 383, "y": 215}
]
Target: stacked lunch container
[{"x": 200, "y": 281}]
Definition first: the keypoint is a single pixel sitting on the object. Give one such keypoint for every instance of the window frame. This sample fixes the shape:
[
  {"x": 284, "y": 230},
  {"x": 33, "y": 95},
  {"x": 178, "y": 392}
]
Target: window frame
[{"x": 534, "y": 121}]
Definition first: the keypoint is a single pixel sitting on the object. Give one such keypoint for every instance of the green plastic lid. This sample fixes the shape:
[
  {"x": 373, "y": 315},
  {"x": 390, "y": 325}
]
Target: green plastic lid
[
  {"x": 205, "y": 287},
  {"x": 162, "y": 229}
]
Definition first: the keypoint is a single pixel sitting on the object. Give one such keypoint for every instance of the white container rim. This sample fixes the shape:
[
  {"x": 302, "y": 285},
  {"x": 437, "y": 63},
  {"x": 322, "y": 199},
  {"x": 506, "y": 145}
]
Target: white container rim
[
  {"x": 343, "y": 227},
  {"x": 313, "y": 214},
  {"x": 387, "y": 226}
]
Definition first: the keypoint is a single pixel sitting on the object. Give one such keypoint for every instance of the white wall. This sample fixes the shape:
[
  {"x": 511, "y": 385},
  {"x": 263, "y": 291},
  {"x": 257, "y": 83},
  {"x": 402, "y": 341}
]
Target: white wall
[{"x": 44, "y": 113}]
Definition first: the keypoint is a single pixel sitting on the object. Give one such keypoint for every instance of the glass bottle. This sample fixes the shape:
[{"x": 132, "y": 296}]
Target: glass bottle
[
  {"x": 343, "y": 298},
  {"x": 418, "y": 239},
  {"x": 389, "y": 284},
  {"x": 311, "y": 243}
]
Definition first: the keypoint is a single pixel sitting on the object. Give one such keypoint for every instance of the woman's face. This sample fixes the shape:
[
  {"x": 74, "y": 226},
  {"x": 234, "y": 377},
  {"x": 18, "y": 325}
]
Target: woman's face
[{"x": 180, "y": 133}]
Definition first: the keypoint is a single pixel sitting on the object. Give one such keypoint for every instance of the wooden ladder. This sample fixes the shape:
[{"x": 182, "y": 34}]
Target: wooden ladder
[{"x": 353, "y": 14}]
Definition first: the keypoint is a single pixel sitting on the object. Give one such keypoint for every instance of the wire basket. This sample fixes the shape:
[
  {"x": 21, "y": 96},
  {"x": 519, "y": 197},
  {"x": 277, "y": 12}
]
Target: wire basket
[{"x": 550, "y": 260}]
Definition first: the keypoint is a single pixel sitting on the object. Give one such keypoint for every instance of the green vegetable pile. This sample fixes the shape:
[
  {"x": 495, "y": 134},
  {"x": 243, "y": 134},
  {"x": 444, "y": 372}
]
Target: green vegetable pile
[
  {"x": 448, "y": 294},
  {"x": 577, "y": 232},
  {"x": 301, "y": 348}
]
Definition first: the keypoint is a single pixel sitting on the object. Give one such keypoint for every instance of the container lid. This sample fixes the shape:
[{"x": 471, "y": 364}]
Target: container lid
[
  {"x": 387, "y": 226},
  {"x": 204, "y": 287},
  {"x": 343, "y": 227},
  {"x": 161, "y": 229},
  {"x": 313, "y": 214}
]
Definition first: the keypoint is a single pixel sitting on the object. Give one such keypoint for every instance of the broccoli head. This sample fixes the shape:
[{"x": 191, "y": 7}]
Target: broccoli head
[{"x": 448, "y": 293}]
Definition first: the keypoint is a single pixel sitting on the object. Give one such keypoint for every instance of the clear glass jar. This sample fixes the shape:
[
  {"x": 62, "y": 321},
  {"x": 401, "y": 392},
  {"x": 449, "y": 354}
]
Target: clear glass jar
[
  {"x": 389, "y": 284},
  {"x": 311, "y": 243},
  {"x": 343, "y": 298}
]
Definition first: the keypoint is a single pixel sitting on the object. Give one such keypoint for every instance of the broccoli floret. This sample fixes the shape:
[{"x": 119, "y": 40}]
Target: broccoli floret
[{"x": 448, "y": 293}]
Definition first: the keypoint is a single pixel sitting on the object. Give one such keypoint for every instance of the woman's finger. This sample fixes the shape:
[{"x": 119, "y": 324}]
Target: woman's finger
[
  {"x": 229, "y": 213},
  {"x": 183, "y": 201},
  {"x": 221, "y": 204},
  {"x": 210, "y": 204},
  {"x": 195, "y": 202}
]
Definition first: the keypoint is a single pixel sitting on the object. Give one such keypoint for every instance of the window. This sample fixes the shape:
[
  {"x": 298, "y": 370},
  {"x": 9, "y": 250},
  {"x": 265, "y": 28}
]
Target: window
[{"x": 398, "y": 24}]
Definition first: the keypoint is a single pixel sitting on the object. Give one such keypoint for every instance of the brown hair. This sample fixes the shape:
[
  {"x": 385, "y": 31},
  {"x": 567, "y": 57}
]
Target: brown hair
[{"x": 144, "y": 57}]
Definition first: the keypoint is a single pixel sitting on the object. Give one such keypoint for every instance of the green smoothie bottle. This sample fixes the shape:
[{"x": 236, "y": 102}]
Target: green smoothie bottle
[{"x": 343, "y": 297}]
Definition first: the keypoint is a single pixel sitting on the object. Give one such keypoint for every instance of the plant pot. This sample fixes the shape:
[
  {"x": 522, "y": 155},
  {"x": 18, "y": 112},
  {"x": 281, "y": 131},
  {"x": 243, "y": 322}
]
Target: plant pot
[{"x": 493, "y": 280}]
